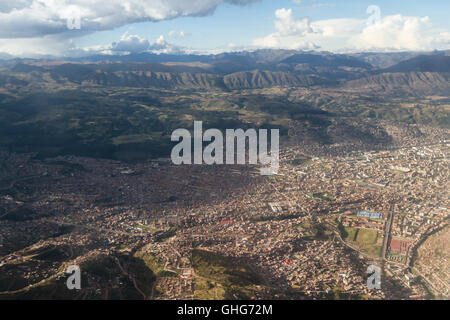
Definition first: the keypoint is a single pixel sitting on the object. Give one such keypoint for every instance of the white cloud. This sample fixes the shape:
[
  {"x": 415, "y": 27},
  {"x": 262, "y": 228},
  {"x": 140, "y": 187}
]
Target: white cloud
[
  {"x": 177, "y": 34},
  {"x": 35, "y": 27},
  {"x": 291, "y": 33},
  {"x": 39, "y": 27},
  {"x": 391, "y": 33},
  {"x": 136, "y": 44},
  {"x": 36, "y": 47},
  {"x": 162, "y": 46},
  {"x": 287, "y": 25},
  {"x": 32, "y": 18},
  {"x": 60, "y": 46},
  {"x": 131, "y": 43},
  {"x": 397, "y": 32}
]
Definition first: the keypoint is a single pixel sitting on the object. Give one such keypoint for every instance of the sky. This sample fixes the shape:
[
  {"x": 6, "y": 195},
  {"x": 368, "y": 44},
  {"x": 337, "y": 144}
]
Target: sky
[{"x": 35, "y": 28}]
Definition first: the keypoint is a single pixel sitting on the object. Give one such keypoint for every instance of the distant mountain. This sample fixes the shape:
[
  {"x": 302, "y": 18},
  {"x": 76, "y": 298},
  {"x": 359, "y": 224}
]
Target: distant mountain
[
  {"x": 426, "y": 74},
  {"x": 163, "y": 76},
  {"x": 327, "y": 60},
  {"x": 268, "y": 55},
  {"x": 384, "y": 60},
  {"x": 423, "y": 63},
  {"x": 266, "y": 79},
  {"x": 162, "y": 80},
  {"x": 5, "y": 56},
  {"x": 126, "y": 110},
  {"x": 403, "y": 83},
  {"x": 423, "y": 74},
  {"x": 226, "y": 63},
  {"x": 26, "y": 68}
]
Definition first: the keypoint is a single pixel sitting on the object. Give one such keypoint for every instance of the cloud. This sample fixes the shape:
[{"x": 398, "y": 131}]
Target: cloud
[
  {"x": 131, "y": 43},
  {"x": 51, "y": 45},
  {"x": 58, "y": 46},
  {"x": 32, "y": 18},
  {"x": 40, "y": 27},
  {"x": 287, "y": 25},
  {"x": 390, "y": 33},
  {"x": 313, "y": 5},
  {"x": 398, "y": 32},
  {"x": 5, "y": 56},
  {"x": 177, "y": 34},
  {"x": 291, "y": 33},
  {"x": 162, "y": 46}
]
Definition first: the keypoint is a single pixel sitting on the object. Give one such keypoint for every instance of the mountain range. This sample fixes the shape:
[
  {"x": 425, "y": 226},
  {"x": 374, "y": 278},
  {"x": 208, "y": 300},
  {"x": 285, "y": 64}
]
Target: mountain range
[{"x": 395, "y": 73}]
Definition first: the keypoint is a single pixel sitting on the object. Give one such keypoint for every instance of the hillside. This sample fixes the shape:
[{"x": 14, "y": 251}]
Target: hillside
[
  {"x": 266, "y": 79},
  {"x": 397, "y": 84},
  {"x": 423, "y": 63}
]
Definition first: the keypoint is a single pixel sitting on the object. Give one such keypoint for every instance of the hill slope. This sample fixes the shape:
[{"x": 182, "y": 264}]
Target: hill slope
[{"x": 411, "y": 83}]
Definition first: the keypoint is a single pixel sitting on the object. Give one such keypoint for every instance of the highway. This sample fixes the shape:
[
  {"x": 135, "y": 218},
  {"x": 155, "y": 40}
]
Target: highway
[{"x": 387, "y": 235}]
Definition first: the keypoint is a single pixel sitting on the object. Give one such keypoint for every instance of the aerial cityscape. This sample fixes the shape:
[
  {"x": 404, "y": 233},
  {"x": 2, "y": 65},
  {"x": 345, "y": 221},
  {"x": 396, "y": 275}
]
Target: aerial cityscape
[{"x": 93, "y": 205}]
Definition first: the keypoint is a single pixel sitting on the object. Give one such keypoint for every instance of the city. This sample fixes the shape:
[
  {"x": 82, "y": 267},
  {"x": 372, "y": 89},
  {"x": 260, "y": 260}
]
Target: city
[{"x": 310, "y": 231}]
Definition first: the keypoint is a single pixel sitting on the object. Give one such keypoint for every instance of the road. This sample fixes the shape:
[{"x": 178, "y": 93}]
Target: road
[
  {"x": 132, "y": 278},
  {"x": 13, "y": 182},
  {"x": 387, "y": 232}
]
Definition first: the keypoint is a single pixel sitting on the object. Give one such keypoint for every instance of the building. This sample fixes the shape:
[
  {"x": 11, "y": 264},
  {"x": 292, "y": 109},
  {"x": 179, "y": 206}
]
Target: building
[
  {"x": 371, "y": 215},
  {"x": 399, "y": 246}
]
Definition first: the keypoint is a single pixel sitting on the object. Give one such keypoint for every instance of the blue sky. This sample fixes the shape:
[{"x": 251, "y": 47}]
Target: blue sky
[
  {"x": 240, "y": 25},
  {"x": 221, "y": 25}
]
